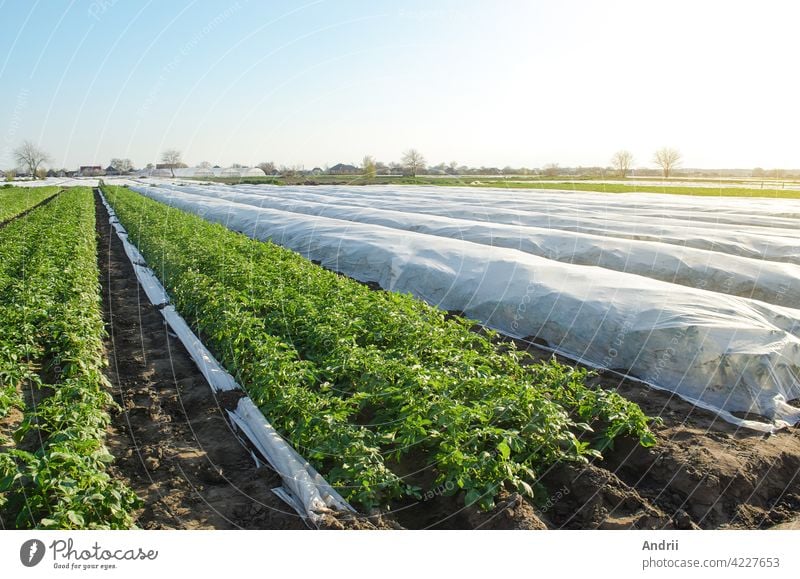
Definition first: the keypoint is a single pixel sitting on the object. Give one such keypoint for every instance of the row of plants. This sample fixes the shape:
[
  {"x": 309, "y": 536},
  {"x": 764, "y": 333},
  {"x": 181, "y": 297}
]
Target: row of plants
[
  {"x": 54, "y": 472},
  {"x": 380, "y": 391},
  {"x": 16, "y": 200}
]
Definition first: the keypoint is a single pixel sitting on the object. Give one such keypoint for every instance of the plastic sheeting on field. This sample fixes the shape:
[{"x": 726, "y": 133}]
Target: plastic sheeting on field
[
  {"x": 770, "y": 281},
  {"x": 305, "y": 490},
  {"x": 725, "y": 353}
]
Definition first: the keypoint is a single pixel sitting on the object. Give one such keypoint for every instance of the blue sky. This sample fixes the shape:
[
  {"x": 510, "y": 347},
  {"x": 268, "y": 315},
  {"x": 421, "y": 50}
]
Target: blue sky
[{"x": 494, "y": 83}]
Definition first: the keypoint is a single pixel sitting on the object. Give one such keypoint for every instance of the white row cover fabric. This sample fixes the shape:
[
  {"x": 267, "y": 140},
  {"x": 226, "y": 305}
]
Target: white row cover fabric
[
  {"x": 305, "y": 489},
  {"x": 770, "y": 281},
  {"x": 200, "y": 172},
  {"x": 310, "y": 488},
  {"x": 726, "y": 353},
  {"x": 57, "y": 182}
]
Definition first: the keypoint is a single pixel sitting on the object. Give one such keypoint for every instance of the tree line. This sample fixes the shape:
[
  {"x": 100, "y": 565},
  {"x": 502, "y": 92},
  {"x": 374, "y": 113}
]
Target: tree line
[{"x": 31, "y": 158}]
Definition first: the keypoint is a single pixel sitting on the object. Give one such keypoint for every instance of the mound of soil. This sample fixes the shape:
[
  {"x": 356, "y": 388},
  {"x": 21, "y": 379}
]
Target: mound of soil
[
  {"x": 172, "y": 441},
  {"x": 703, "y": 472}
]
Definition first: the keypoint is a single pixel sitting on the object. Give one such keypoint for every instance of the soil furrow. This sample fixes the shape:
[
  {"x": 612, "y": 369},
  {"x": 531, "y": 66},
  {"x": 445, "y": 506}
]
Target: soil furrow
[{"x": 172, "y": 442}]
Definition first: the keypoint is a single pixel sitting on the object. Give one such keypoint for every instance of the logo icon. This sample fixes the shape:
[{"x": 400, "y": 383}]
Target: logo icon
[{"x": 31, "y": 553}]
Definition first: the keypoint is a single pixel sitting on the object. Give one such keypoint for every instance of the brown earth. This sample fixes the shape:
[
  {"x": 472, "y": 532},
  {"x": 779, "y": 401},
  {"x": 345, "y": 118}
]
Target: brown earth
[
  {"x": 172, "y": 442},
  {"x": 702, "y": 473},
  {"x": 176, "y": 449}
]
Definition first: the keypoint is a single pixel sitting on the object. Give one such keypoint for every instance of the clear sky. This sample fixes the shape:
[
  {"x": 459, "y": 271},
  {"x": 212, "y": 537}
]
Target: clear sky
[{"x": 520, "y": 83}]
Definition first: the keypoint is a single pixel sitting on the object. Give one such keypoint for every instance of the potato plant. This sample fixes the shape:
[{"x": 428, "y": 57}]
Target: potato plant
[
  {"x": 16, "y": 200},
  {"x": 366, "y": 383},
  {"x": 51, "y": 360}
]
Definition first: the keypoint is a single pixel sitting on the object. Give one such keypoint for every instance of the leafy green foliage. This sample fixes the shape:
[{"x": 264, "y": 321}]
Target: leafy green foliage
[
  {"x": 365, "y": 382},
  {"x": 51, "y": 348},
  {"x": 16, "y": 200}
]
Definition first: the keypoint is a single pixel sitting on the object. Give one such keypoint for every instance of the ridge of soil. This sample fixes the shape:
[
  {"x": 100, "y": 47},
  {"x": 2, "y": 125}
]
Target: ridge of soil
[
  {"x": 171, "y": 439},
  {"x": 703, "y": 472}
]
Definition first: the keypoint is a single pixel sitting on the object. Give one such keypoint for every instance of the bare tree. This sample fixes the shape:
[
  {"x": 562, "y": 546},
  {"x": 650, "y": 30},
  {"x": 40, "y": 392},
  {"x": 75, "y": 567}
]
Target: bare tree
[
  {"x": 204, "y": 165},
  {"x": 368, "y": 164},
  {"x": 413, "y": 161},
  {"x": 622, "y": 161},
  {"x": 172, "y": 159},
  {"x": 267, "y": 166},
  {"x": 668, "y": 159},
  {"x": 122, "y": 165},
  {"x": 551, "y": 170},
  {"x": 30, "y": 156}
]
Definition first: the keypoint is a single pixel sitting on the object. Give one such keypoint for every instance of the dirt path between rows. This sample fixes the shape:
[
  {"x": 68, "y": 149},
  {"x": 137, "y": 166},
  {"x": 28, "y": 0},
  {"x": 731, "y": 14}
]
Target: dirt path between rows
[{"x": 171, "y": 441}]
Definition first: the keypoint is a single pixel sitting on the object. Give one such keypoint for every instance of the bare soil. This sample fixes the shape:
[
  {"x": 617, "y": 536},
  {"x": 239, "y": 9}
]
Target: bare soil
[
  {"x": 176, "y": 449},
  {"x": 172, "y": 442},
  {"x": 703, "y": 473}
]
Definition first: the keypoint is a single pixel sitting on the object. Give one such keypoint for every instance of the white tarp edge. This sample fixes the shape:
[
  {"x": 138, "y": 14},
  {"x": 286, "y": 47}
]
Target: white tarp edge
[
  {"x": 215, "y": 374},
  {"x": 309, "y": 487},
  {"x": 306, "y": 490}
]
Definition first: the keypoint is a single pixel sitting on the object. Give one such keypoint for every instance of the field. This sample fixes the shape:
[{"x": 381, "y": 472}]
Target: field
[
  {"x": 53, "y": 474},
  {"x": 597, "y": 273},
  {"x": 704, "y": 188},
  {"x": 443, "y": 361},
  {"x": 15, "y": 201}
]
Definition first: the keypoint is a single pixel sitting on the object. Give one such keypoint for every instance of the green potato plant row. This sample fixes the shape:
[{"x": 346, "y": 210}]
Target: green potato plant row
[
  {"x": 380, "y": 391},
  {"x": 16, "y": 200},
  {"x": 53, "y": 474}
]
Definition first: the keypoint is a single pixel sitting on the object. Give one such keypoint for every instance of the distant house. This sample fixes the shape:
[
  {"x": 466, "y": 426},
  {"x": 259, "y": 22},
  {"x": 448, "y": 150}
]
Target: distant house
[
  {"x": 90, "y": 170},
  {"x": 344, "y": 169},
  {"x": 112, "y": 171}
]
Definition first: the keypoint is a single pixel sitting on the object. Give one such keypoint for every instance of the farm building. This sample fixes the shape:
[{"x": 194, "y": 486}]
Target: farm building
[
  {"x": 90, "y": 170},
  {"x": 344, "y": 169}
]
